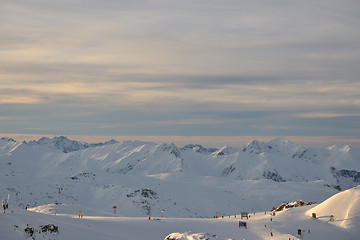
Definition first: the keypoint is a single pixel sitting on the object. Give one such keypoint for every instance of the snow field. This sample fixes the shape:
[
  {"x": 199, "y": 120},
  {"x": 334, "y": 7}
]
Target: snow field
[
  {"x": 344, "y": 206},
  {"x": 283, "y": 225}
]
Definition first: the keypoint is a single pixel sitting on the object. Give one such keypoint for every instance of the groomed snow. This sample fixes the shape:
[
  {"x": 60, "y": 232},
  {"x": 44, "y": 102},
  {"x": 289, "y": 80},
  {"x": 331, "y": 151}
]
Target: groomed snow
[
  {"x": 344, "y": 206},
  {"x": 261, "y": 225}
]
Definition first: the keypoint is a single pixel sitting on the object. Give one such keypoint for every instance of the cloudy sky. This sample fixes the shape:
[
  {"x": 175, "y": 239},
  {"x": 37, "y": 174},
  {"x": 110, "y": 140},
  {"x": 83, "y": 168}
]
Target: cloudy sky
[{"x": 214, "y": 71}]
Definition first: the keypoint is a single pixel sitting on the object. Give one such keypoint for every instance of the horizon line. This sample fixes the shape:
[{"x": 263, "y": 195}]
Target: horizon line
[{"x": 209, "y": 141}]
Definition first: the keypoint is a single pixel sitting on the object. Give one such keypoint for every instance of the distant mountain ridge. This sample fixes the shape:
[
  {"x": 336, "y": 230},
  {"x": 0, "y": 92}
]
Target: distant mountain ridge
[
  {"x": 67, "y": 145},
  {"x": 59, "y": 166},
  {"x": 137, "y": 157}
]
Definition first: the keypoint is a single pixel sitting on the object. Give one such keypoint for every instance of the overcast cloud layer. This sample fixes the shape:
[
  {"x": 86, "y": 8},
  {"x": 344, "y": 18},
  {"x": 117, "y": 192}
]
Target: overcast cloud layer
[{"x": 180, "y": 67}]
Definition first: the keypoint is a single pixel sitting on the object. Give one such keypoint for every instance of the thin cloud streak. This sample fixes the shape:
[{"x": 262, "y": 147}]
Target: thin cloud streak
[
  {"x": 242, "y": 96},
  {"x": 327, "y": 115}
]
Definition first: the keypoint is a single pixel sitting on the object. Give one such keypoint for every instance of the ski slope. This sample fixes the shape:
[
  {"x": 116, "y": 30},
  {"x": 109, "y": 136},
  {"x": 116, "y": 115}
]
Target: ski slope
[
  {"x": 107, "y": 226},
  {"x": 344, "y": 206}
]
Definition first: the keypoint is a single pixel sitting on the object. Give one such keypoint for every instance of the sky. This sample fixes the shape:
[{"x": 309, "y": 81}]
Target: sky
[{"x": 215, "y": 71}]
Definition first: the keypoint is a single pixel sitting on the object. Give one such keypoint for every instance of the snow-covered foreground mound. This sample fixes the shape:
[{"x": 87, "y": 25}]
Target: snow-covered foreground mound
[
  {"x": 192, "y": 236},
  {"x": 17, "y": 224},
  {"x": 344, "y": 206},
  {"x": 69, "y": 209}
]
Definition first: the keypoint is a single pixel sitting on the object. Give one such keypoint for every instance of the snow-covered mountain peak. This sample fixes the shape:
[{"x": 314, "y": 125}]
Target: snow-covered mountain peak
[
  {"x": 129, "y": 143},
  {"x": 61, "y": 143},
  {"x": 198, "y": 148},
  {"x": 341, "y": 148},
  {"x": 66, "y": 145},
  {"x": 43, "y": 140},
  {"x": 5, "y": 139},
  {"x": 344, "y": 157},
  {"x": 8, "y": 144},
  {"x": 169, "y": 147},
  {"x": 112, "y": 141},
  {"x": 276, "y": 146},
  {"x": 286, "y": 147},
  {"x": 255, "y": 146},
  {"x": 282, "y": 143},
  {"x": 226, "y": 150}
]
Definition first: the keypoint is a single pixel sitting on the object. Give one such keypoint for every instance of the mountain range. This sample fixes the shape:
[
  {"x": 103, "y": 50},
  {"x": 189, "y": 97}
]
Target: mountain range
[{"x": 144, "y": 178}]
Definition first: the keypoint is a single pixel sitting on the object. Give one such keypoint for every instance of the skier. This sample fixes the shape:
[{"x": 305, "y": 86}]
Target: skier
[
  {"x": 299, "y": 233},
  {"x": 114, "y": 207},
  {"x": 4, "y": 206},
  {"x": 80, "y": 214}
]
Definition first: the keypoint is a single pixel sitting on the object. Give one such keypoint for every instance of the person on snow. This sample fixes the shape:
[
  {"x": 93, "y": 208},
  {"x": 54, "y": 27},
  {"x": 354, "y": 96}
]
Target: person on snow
[
  {"x": 80, "y": 214},
  {"x": 4, "y": 205}
]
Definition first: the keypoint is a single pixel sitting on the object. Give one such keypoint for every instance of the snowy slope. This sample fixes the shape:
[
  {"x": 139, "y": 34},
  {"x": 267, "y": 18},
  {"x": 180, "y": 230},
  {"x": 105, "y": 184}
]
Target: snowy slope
[
  {"x": 143, "y": 178},
  {"x": 98, "y": 225},
  {"x": 344, "y": 206}
]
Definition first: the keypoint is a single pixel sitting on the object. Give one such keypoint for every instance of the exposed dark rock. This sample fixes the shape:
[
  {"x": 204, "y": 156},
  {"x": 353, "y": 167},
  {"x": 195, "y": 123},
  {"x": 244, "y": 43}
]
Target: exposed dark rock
[
  {"x": 227, "y": 171},
  {"x": 83, "y": 175},
  {"x": 273, "y": 176},
  {"x": 66, "y": 145},
  {"x": 297, "y": 203},
  {"x": 343, "y": 176},
  {"x": 30, "y": 231},
  {"x": 49, "y": 228},
  {"x": 199, "y": 148},
  {"x": 146, "y": 193}
]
